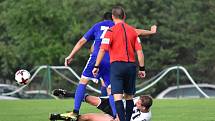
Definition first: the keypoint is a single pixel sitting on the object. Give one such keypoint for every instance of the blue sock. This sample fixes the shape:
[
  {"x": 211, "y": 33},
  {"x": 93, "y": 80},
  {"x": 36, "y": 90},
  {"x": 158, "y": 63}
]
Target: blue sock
[
  {"x": 112, "y": 104},
  {"x": 103, "y": 91},
  {"x": 79, "y": 96},
  {"x": 120, "y": 110},
  {"x": 129, "y": 109}
]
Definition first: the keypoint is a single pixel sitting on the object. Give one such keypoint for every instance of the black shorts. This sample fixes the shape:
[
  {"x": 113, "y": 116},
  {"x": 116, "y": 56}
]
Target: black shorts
[
  {"x": 105, "y": 106},
  {"x": 123, "y": 78}
]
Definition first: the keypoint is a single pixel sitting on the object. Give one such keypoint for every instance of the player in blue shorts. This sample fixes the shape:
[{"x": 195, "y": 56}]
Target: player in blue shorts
[{"x": 96, "y": 33}]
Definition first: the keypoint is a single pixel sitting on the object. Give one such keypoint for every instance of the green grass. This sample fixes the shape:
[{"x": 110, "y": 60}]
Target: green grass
[
  {"x": 184, "y": 110},
  {"x": 162, "y": 110}
]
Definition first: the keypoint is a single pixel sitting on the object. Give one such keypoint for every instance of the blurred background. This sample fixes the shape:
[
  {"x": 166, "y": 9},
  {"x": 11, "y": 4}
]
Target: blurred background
[{"x": 43, "y": 32}]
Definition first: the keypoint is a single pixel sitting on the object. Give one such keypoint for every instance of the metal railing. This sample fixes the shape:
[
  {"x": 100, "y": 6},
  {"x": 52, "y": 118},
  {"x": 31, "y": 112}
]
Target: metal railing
[{"x": 153, "y": 80}]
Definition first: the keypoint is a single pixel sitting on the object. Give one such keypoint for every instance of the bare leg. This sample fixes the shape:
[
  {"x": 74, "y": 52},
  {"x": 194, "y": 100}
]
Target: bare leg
[
  {"x": 95, "y": 117},
  {"x": 93, "y": 100},
  {"x": 128, "y": 97}
]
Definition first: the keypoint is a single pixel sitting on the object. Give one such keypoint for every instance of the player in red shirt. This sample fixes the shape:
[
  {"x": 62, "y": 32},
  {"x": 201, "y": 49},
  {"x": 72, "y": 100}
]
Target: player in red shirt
[{"x": 122, "y": 42}]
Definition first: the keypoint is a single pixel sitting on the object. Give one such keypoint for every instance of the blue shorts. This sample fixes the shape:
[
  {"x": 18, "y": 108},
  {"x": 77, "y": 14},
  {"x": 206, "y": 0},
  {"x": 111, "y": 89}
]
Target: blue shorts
[
  {"x": 123, "y": 78},
  {"x": 104, "y": 70}
]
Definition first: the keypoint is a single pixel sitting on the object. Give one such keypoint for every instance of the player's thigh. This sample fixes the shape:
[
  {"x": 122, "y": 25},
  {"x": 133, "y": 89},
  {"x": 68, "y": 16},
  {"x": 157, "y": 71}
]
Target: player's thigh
[
  {"x": 106, "y": 78},
  {"x": 130, "y": 79},
  {"x": 93, "y": 100},
  {"x": 95, "y": 117},
  {"x": 104, "y": 72},
  {"x": 116, "y": 78},
  {"x": 116, "y": 86},
  {"x": 87, "y": 72},
  {"x": 89, "y": 66}
]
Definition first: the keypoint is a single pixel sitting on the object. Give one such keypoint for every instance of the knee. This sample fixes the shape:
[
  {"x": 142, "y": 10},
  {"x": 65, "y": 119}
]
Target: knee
[
  {"x": 128, "y": 97},
  {"x": 109, "y": 91},
  {"x": 117, "y": 97},
  {"x": 83, "y": 81}
]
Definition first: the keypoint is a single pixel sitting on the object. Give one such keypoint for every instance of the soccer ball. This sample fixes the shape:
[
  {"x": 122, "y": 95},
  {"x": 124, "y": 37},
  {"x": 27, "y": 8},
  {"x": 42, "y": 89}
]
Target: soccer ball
[{"x": 22, "y": 77}]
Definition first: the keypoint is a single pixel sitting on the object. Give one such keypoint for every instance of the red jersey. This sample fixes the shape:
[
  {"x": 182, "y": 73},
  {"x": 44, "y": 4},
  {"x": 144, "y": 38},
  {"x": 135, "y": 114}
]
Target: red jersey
[{"x": 121, "y": 41}]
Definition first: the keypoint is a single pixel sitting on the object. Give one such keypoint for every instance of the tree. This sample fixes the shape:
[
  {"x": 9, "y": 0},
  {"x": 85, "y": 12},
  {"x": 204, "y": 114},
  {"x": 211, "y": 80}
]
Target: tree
[{"x": 43, "y": 32}]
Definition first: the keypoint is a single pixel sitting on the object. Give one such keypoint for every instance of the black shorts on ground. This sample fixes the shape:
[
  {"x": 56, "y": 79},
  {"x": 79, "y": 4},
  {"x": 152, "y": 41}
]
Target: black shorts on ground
[
  {"x": 123, "y": 78},
  {"x": 105, "y": 106}
]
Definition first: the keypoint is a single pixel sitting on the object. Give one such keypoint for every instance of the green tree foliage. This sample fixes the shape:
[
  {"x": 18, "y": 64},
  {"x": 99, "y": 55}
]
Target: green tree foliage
[{"x": 43, "y": 32}]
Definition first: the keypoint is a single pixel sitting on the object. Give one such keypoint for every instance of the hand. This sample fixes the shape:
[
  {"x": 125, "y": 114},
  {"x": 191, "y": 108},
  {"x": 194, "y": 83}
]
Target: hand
[
  {"x": 141, "y": 74},
  {"x": 154, "y": 29},
  {"x": 95, "y": 71},
  {"x": 67, "y": 61}
]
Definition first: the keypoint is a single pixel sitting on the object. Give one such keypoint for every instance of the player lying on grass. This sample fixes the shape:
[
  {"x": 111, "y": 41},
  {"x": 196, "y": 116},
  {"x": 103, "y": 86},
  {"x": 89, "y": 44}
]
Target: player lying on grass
[{"x": 141, "y": 110}]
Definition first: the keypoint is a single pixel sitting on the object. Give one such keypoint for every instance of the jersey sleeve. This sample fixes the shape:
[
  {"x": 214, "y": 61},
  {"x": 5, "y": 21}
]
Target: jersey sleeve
[
  {"x": 90, "y": 34},
  {"x": 138, "y": 44},
  {"x": 106, "y": 41}
]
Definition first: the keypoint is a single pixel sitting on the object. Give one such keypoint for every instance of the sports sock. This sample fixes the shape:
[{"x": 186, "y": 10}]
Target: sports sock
[
  {"x": 85, "y": 97},
  {"x": 103, "y": 91},
  {"x": 112, "y": 104},
  {"x": 79, "y": 96},
  {"x": 120, "y": 110},
  {"x": 129, "y": 109}
]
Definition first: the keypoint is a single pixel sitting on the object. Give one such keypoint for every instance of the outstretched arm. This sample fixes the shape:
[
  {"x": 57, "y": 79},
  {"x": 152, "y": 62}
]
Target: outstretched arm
[
  {"x": 143, "y": 32},
  {"x": 77, "y": 47}
]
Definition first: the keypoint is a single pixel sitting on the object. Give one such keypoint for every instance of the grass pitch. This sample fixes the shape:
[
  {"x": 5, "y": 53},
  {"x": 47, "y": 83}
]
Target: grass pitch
[{"x": 162, "y": 110}]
